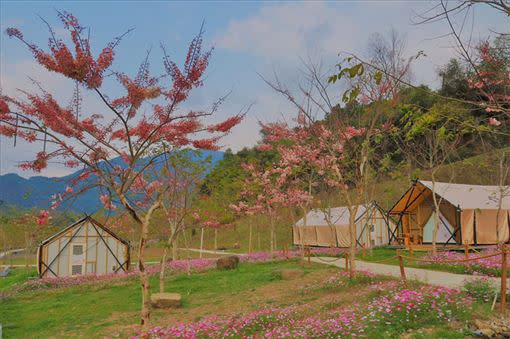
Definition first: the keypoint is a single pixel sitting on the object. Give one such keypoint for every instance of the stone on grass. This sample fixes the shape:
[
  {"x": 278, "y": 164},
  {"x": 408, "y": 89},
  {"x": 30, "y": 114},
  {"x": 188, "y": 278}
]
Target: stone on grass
[
  {"x": 227, "y": 263},
  {"x": 289, "y": 273},
  {"x": 166, "y": 300}
]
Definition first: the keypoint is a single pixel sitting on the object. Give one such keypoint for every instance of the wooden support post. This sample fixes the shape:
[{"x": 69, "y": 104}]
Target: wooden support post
[
  {"x": 466, "y": 250},
  {"x": 402, "y": 269},
  {"x": 363, "y": 250},
  {"x": 285, "y": 251},
  {"x": 346, "y": 262},
  {"x": 503, "y": 278},
  {"x": 309, "y": 254},
  {"x": 411, "y": 252}
]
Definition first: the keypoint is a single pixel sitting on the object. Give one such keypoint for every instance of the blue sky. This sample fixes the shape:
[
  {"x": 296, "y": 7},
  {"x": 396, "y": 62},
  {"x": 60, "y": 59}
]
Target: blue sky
[{"x": 249, "y": 38}]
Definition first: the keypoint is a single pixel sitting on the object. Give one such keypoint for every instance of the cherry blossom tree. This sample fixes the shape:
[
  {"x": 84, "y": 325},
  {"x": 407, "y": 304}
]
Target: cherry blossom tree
[
  {"x": 343, "y": 153},
  {"x": 131, "y": 126},
  {"x": 266, "y": 191}
]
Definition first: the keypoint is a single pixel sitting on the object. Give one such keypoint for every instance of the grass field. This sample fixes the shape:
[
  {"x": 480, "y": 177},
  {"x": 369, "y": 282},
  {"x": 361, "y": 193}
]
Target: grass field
[
  {"x": 112, "y": 308},
  {"x": 108, "y": 308}
]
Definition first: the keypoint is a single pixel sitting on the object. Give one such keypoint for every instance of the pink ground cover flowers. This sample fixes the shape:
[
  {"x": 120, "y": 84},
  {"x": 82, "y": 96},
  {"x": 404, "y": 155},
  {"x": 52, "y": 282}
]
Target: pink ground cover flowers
[
  {"x": 179, "y": 266},
  {"x": 394, "y": 312},
  {"x": 408, "y": 308},
  {"x": 487, "y": 266}
]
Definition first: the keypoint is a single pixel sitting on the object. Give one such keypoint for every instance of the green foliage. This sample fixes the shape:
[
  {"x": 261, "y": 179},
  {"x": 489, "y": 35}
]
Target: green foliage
[{"x": 481, "y": 289}]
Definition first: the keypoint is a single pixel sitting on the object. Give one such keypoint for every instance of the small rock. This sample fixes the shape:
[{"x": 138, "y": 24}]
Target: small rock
[
  {"x": 166, "y": 300},
  {"x": 227, "y": 263},
  {"x": 288, "y": 273},
  {"x": 487, "y": 332},
  {"x": 479, "y": 324}
]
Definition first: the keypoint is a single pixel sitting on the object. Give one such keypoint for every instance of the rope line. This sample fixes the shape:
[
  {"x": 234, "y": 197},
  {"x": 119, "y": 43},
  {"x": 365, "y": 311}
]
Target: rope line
[
  {"x": 454, "y": 260},
  {"x": 328, "y": 261}
]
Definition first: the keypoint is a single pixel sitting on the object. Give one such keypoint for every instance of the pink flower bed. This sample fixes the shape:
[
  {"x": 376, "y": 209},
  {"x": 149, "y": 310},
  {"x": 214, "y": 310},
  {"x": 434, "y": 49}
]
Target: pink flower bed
[
  {"x": 178, "y": 266},
  {"x": 487, "y": 266},
  {"x": 401, "y": 309},
  {"x": 195, "y": 265}
]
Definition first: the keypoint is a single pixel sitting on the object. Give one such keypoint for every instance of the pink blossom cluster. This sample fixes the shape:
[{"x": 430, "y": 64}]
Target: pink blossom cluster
[{"x": 486, "y": 266}]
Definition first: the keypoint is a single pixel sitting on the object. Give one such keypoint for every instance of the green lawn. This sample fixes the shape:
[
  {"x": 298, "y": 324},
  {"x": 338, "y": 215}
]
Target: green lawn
[
  {"x": 17, "y": 276},
  {"x": 89, "y": 310}
]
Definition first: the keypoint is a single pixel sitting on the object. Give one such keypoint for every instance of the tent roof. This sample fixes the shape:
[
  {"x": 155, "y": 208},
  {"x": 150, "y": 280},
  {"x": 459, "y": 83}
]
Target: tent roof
[
  {"x": 85, "y": 218},
  {"x": 336, "y": 215},
  {"x": 464, "y": 196}
]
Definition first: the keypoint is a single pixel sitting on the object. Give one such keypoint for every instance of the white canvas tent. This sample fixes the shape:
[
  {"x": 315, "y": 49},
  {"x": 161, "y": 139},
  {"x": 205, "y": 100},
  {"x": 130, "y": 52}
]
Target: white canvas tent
[
  {"x": 330, "y": 227},
  {"x": 467, "y": 213},
  {"x": 85, "y": 247}
]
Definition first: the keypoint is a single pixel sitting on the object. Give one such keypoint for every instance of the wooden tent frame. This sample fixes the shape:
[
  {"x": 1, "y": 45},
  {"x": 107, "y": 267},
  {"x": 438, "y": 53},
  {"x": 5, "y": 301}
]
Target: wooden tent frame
[
  {"x": 457, "y": 228},
  {"x": 374, "y": 206},
  {"x": 124, "y": 266}
]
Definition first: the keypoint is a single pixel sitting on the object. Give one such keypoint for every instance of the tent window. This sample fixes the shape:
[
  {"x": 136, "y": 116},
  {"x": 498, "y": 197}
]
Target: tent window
[
  {"x": 76, "y": 269},
  {"x": 77, "y": 249}
]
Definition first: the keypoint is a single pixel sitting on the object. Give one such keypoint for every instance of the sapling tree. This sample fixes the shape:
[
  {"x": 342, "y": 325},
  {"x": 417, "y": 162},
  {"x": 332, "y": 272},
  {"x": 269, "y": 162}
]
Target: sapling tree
[
  {"x": 345, "y": 151},
  {"x": 131, "y": 127},
  {"x": 183, "y": 171},
  {"x": 433, "y": 138}
]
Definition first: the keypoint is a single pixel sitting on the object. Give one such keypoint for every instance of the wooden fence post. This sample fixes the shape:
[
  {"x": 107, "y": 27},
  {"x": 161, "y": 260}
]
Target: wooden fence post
[
  {"x": 309, "y": 253},
  {"x": 411, "y": 252},
  {"x": 402, "y": 270},
  {"x": 466, "y": 249},
  {"x": 363, "y": 250},
  {"x": 346, "y": 262},
  {"x": 503, "y": 278}
]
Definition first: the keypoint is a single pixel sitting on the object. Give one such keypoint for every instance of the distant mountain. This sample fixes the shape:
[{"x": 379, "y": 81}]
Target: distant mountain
[{"x": 35, "y": 192}]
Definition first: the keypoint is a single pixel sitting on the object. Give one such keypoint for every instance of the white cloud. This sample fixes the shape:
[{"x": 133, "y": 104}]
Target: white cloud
[{"x": 287, "y": 30}]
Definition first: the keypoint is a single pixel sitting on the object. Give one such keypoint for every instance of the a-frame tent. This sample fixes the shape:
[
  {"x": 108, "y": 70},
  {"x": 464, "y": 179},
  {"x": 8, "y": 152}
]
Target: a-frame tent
[
  {"x": 85, "y": 247},
  {"x": 467, "y": 214},
  {"x": 330, "y": 227}
]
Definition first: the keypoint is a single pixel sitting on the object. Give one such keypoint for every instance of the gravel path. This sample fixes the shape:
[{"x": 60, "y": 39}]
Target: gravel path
[{"x": 438, "y": 278}]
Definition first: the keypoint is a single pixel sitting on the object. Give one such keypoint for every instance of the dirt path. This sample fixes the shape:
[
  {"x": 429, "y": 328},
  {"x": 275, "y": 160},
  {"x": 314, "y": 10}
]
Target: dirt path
[
  {"x": 438, "y": 278},
  {"x": 3, "y": 254}
]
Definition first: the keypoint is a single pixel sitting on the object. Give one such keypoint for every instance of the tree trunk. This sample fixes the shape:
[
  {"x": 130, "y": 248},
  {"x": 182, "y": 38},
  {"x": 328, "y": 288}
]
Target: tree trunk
[
  {"x": 271, "y": 236},
  {"x": 144, "y": 279},
  {"x": 175, "y": 249},
  {"x": 352, "y": 238},
  {"x": 258, "y": 238},
  {"x": 201, "y": 242},
  {"x": 27, "y": 245},
  {"x": 162, "y": 271},
  {"x": 436, "y": 217},
  {"x": 301, "y": 233},
  {"x": 250, "y": 238}
]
